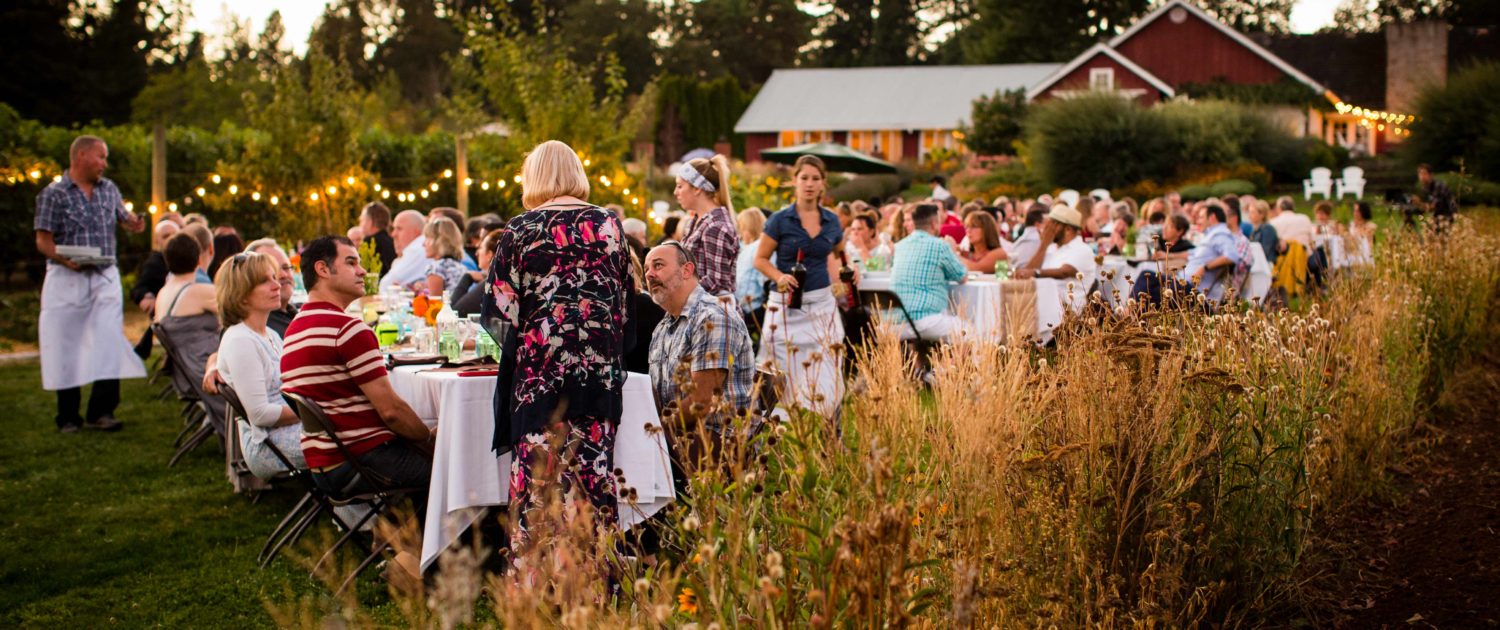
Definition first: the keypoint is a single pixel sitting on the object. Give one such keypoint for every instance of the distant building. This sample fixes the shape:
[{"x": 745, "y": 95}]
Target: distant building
[
  {"x": 1370, "y": 82},
  {"x": 891, "y": 113}
]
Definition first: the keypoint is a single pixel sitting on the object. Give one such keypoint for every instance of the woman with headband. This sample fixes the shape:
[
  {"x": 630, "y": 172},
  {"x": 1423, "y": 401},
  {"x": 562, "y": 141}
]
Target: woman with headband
[{"x": 703, "y": 191}]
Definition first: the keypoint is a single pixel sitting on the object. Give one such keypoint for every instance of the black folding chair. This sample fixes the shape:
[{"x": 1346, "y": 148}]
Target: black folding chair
[
  {"x": 879, "y": 301},
  {"x": 203, "y": 412},
  {"x": 193, "y": 409},
  {"x": 380, "y": 500},
  {"x": 307, "y": 510}
]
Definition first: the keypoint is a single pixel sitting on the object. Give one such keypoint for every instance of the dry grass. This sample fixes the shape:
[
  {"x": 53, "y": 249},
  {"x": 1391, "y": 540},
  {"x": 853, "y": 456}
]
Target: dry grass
[{"x": 1156, "y": 470}]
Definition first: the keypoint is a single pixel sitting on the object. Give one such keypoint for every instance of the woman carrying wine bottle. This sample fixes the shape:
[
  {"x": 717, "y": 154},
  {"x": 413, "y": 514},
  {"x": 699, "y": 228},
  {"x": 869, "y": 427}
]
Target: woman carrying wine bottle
[{"x": 802, "y": 336}]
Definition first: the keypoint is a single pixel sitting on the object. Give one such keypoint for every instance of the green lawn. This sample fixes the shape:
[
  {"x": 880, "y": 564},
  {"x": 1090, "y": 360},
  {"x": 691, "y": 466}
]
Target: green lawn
[{"x": 97, "y": 531}]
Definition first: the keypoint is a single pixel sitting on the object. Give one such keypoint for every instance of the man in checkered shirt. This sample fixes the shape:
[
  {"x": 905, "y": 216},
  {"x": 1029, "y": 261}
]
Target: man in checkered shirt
[
  {"x": 924, "y": 265},
  {"x": 81, "y": 331}
]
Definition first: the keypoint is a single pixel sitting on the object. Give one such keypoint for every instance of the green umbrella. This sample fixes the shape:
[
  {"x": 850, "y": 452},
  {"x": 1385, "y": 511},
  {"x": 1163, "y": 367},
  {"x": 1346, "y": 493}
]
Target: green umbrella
[{"x": 839, "y": 158}]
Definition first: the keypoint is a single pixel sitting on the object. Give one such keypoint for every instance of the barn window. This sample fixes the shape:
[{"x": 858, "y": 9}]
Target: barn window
[{"x": 1102, "y": 79}]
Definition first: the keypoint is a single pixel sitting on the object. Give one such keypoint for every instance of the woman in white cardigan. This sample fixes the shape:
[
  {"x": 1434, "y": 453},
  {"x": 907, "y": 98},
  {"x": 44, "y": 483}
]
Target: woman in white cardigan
[{"x": 249, "y": 360}]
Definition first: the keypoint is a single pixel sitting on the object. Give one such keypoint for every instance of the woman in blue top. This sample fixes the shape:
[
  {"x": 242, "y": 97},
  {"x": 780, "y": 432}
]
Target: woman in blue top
[{"x": 813, "y": 374}]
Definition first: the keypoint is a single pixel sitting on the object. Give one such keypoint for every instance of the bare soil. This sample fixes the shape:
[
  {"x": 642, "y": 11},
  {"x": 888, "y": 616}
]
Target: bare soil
[{"x": 1429, "y": 555}]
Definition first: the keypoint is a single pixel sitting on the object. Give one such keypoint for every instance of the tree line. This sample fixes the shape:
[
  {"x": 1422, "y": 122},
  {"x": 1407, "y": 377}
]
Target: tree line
[{"x": 70, "y": 62}]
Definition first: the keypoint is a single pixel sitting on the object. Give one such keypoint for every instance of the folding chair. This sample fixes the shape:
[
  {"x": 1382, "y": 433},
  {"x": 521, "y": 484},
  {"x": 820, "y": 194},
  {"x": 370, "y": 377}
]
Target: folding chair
[
  {"x": 193, "y": 409},
  {"x": 879, "y": 301},
  {"x": 203, "y": 411},
  {"x": 315, "y": 421}
]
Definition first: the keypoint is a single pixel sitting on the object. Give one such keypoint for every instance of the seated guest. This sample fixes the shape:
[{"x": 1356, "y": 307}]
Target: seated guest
[
  {"x": 333, "y": 359},
  {"x": 1232, "y": 210},
  {"x": 1362, "y": 225},
  {"x": 248, "y": 292},
  {"x": 410, "y": 265},
  {"x": 635, "y": 235},
  {"x": 374, "y": 227},
  {"x": 1262, "y": 232},
  {"x": 1174, "y": 246},
  {"x": 924, "y": 266},
  {"x": 1323, "y": 222},
  {"x": 1291, "y": 226},
  {"x": 279, "y": 318},
  {"x": 187, "y": 311},
  {"x": 984, "y": 242},
  {"x": 702, "y": 342},
  {"x": 149, "y": 280},
  {"x": 1030, "y": 239},
  {"x": 182, "y": 295},
  {"x": 749, "y": 282},
  {"x": 860, "y": 238},
  {"x": 469, "y": 295},
  {"x": 443, "y": 245},
  {"x": 1121, "y": 220},
  {"x": 1066, "y": 258},
  {"x": 205, "y": 238},
  {"x": 1209, "y": 266},
  {"x": 459, "y": 220}
]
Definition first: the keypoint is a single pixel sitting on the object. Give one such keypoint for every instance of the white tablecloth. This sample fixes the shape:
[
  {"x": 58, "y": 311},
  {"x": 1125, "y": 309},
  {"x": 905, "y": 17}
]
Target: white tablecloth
[
  {"x": 1117, "y": 277},
  {"x": 467, "y": 476},
  {"x": 978, "y": 302}
]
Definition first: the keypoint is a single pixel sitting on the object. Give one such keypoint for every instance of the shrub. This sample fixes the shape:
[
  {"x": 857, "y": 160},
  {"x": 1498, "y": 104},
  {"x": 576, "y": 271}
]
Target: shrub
[
  {"x": 1196, "y": 192},
  {"x": 1232, "y": 187},
  {"x": 867, "y": 186},
  {"x": 997, "y": 122},
  {"x": 1472, "y": 191},
  {"x": 1098, "y": 140},
  {"x": 1458, "y": 126},
  {"x": 1106, "y": 141}
]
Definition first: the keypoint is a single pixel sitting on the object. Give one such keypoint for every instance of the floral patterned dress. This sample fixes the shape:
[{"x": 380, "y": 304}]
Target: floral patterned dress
[{"x": 561, "y": 280}]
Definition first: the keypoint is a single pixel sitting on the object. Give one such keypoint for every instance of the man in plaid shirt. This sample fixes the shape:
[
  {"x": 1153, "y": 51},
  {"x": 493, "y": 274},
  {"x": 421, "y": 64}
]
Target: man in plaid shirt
[
  {"x": 923, "y": 267},
  {"x": 80, "y": 330}
]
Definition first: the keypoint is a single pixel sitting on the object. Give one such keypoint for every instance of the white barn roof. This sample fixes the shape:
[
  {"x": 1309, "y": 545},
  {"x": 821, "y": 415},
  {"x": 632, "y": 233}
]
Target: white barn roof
[{"x": 906, "y": 98}]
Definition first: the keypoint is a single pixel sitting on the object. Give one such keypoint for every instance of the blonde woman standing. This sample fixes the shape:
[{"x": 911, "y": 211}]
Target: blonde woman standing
[
  {"x": 703, "y": 191},
  {"x": 560, "y": 279},
  {"x": 804, "y": 345}
]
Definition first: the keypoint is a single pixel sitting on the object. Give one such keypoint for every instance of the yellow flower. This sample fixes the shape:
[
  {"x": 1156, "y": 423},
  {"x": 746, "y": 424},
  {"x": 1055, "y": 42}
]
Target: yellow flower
[{"x": 687, "y": 601}]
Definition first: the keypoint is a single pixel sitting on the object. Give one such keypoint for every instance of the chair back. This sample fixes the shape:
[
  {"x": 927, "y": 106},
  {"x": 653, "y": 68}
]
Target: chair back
[
  {"x": 879, "y": 301},
  {"x": 315, "y": 422},
  {"x": 179, "y": 378},
  {"x": 1353, "y": 175},
  {"x": 238, "y": 470},
  {"x": 1321, "y": 175}
]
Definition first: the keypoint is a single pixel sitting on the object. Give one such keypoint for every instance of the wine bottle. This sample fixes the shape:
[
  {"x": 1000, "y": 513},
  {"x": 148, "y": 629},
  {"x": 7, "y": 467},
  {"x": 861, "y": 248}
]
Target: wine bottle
[{"x": 799, "y": 273}]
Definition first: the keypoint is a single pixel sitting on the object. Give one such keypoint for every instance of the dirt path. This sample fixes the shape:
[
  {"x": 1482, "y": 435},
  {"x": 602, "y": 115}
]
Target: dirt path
[{"x": 1431, "y": 556}]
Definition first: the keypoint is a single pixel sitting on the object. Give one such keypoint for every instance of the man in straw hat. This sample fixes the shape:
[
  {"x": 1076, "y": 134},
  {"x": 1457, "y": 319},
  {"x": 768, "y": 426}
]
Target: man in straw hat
[{"x": 1066, "y": 256}]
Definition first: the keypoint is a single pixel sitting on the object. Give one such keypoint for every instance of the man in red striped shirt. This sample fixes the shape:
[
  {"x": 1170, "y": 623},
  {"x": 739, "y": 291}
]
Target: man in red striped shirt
[{"x": 333, "y": 359}]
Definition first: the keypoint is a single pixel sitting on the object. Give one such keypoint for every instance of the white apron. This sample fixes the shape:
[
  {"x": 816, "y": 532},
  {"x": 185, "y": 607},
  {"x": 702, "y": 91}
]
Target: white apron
[
  {"x": 811, "y": 330},
  {"x": 81, "y": 330}
]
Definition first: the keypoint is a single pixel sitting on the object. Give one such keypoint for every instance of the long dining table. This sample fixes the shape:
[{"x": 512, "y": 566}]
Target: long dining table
[
  {"x": 995, "y": 309},
  {"x": 467, "y": 475}
]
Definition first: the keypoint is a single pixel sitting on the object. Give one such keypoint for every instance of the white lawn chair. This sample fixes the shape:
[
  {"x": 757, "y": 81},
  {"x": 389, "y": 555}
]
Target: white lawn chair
[
  {"x": 1352, "y": 183},
  {"x": 1321, "y": 183},
  {"x": 1069, "y": 197}
]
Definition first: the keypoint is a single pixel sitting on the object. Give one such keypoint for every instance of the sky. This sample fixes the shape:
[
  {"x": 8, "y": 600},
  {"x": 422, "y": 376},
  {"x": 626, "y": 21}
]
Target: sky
[{"x": 209, "y": 16}]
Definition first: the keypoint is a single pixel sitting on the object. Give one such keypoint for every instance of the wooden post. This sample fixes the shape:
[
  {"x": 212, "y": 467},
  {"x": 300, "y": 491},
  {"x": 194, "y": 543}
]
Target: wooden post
[
  {"x": 461, "y": 156},
  {"x": 158, "y": 173}
]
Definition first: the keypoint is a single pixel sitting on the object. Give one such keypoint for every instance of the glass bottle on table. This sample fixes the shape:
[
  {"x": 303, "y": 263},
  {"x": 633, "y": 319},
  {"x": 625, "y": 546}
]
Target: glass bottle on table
[{"x": 448, "y": 346}]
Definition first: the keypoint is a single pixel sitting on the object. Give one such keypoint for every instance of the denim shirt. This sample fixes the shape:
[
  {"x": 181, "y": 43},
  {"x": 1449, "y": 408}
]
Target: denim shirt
[
  {"x": 785, "y": 227},
  {"x": 1217, "y": 241}
]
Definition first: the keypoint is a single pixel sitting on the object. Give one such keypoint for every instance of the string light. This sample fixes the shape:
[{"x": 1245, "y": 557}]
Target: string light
[
  {"x": 313, "y": 196},
  {"x": 377, "y": 188},
  {"x": 201, "y": 192},
  {"x": 129, "y": 207},
  {"x": 255, "y": 196},
  {"x": 274, "y": 200},
  {"x": 447, "y": 172},
  {"x": 468, "y": 181},
  {"x": 385, "y": 194},
  {"x": 172, "y": 207},
  {"x": 216, "y": 178},
  {"x": 35, "y": 174},
  {"x": 424, "y": 193},
  {"x": 350, "y": 180},
  {"x": 434, "y": 188},
  {"x": 234, "y": 190},
  {"x": 332, "y": 191},
  {"x": 152, "y": 209},
  {"x": 484, "y": 185},
  {"x": 56, "y": 178}
]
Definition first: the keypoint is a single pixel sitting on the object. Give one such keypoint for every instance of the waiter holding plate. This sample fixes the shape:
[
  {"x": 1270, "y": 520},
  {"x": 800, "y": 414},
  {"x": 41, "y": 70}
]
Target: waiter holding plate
[{"x": 82, "y": 323}]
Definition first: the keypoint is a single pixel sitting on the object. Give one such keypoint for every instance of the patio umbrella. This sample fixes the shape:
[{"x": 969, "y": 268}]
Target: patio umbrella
[{"x": 838, "y": 157}]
